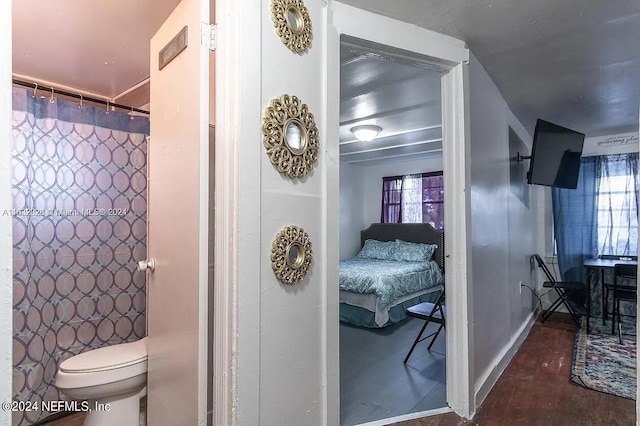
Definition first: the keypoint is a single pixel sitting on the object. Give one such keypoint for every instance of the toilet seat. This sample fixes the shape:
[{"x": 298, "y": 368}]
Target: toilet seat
[{"x": 102, "y": 366}]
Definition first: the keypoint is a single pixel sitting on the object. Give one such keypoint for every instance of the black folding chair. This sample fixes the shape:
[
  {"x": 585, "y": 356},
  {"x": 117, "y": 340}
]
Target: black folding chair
[
  {"x": 626, "y": 292},
  {"x": 571, "y": 294},
  {"x": 430, "y": 313}
]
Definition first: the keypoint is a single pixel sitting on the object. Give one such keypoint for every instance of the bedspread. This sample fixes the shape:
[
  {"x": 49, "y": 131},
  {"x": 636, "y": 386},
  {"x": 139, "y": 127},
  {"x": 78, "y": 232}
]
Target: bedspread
[{"x": 388, "y": 280}]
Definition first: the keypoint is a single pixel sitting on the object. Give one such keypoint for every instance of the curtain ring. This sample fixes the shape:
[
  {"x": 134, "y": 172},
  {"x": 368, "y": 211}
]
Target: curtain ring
[
  {"x": 35, "y": 89},
  {"x": 52, "y": 100},
  {"x": 81, "y": 106},
  {"x": 131, "y": 113},
  {"x": 107, "y": 111}
]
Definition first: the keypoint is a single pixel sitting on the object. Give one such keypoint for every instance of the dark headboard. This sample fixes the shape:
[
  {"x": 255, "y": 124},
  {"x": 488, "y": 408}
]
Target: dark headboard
[{"x": 412, "y": 232}]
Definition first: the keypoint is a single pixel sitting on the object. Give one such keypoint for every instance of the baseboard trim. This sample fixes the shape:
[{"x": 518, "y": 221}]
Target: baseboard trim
[
  {"x": 411, "y": 416},
  {"x": 501, "y": 361}
]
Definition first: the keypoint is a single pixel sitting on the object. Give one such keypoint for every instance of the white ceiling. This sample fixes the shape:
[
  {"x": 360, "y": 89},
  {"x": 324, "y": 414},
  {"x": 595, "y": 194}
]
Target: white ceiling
[
  {"x": 395, "y": 92},
  {"x": 100, "y": 47},
  {"x": 573, "y": 62}
]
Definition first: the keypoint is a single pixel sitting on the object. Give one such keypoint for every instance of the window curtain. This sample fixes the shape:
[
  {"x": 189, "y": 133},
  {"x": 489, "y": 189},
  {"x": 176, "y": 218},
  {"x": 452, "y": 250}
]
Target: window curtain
[
  {"x": 416, "y": 198},
  {"x": 391, "y": 200},
  {"x": 574, "y": 222},
  {"x": 433, "y": 192},
  {"x": 79, "y": 178},
  {"x": 617, "y": 204}
]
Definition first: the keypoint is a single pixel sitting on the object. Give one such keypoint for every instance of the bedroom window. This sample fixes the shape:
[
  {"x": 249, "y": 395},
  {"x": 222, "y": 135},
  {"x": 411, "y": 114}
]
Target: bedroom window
[{"x": 415, "y": 198}]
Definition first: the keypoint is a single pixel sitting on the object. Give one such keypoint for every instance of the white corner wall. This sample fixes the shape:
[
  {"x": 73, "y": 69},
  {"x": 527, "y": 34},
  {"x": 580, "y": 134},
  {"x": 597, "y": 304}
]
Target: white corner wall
[
  {"x": 503, "y": 235},
  {"x": 6, "y": 243},
  {"x": 351, "y": 209}
]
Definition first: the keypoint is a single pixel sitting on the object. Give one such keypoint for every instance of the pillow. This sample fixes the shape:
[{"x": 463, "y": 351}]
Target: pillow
[
  {"x": 414, "y": 252},
  {"x": 374, "y": 249}
]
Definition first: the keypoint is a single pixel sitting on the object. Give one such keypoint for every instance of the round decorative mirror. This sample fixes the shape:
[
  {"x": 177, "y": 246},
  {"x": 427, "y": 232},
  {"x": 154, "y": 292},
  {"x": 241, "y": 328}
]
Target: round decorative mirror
[
  {"x": 291, "y": 255},
  {"x": 295, "y": 19},
  {"x": 295, "y": 255},
  {"x": 290, "y": 136},
  {"x": 295, "y": 136},
  {"x": 292, "y": 23}
]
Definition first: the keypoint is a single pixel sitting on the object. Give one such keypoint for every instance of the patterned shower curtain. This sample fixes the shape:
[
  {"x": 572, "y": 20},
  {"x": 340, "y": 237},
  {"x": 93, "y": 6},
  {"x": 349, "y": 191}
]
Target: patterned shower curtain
[{"x": 79, "y": 226}]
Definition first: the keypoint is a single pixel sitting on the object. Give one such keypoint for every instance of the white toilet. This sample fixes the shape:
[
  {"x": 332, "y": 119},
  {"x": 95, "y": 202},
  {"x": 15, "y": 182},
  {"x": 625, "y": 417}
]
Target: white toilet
[{"x": 112, "y": 380}]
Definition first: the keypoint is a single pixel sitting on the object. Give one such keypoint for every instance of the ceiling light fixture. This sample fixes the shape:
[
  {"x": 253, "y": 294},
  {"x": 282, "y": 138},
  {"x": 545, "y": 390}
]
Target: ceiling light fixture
[{"x": 367, "y": 132}]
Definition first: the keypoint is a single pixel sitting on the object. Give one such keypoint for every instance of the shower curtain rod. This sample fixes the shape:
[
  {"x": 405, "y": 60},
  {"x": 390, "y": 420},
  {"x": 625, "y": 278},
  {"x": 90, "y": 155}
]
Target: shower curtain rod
[{"x": 77, "y": 96}]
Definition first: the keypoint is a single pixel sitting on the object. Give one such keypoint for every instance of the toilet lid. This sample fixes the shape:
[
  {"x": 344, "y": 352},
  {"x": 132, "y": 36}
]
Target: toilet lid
[{"x": 107, "y": 358}]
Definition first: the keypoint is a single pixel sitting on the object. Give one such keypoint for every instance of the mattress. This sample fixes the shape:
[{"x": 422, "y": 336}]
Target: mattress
[{"x": 379, "y": 285}]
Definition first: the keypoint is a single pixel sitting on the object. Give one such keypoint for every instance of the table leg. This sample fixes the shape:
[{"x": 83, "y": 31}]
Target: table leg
[{"x": 604, "y": 302}]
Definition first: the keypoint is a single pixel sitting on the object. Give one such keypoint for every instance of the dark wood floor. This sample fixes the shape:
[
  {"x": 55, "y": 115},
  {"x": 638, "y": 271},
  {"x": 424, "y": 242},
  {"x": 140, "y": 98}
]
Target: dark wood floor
[{"x": 535, "y": 388}]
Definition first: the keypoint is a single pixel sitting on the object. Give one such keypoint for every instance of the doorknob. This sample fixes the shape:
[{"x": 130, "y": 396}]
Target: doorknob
[{"x": 150, "y": 264}]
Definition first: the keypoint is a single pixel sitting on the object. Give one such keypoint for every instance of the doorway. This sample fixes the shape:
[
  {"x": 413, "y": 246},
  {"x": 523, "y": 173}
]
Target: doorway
[
  {"x": 67, "y": 67},
  {"x": 452, "y": 56},
  {"x": 398, "y": 95}
]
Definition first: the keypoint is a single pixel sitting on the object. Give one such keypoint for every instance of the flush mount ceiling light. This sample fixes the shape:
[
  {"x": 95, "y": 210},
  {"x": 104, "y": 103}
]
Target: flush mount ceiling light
[{"x": 366, "y": 133}]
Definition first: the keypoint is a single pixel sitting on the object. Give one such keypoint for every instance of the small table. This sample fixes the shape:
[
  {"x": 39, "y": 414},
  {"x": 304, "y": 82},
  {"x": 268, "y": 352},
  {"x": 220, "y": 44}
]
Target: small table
[{"x": 592, "y": 266}]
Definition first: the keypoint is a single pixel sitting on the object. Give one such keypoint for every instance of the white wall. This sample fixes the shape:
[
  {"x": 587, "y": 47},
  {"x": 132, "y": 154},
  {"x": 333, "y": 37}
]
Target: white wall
[
  {"x": 351, "y": 209},
  {"x": 282, "y": 361},
  {"x": 6, "y": 242},
  {"x": 503, "y": 234}
]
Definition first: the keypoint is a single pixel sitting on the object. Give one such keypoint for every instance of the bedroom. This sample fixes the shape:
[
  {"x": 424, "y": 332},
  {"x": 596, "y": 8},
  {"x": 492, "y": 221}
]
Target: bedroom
[{"x": 397, "y": 95}]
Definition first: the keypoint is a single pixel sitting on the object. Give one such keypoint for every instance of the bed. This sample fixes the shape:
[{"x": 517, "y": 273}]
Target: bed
[{"x": 387, "y": 276}]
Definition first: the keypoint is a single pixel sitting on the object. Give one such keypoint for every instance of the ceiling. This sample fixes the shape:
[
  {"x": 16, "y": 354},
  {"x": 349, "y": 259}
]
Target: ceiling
[
  {"x": 575, "y": 63},
  {"x": 101, "y": 47},
  {"x": 399, "y": 94}
]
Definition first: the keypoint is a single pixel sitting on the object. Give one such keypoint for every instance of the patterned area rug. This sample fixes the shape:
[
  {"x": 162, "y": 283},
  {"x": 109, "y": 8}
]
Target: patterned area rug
[{"x": 601, "y": 363}]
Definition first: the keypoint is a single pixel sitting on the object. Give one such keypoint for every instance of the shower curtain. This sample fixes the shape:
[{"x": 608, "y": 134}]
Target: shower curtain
[{"x": 79, "y": 226}]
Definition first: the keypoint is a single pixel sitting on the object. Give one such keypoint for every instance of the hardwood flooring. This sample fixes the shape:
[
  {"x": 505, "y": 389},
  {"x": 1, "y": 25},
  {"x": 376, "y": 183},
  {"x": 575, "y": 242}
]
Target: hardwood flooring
[
  {"x": 374, "y": 382},
  {"x": 535, "y": 388}
]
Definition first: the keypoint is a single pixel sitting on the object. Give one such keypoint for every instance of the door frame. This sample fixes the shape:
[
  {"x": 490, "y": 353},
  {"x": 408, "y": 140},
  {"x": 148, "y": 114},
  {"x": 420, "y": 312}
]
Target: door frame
[
  {"x": 6, "y": 203},
  {"x": 453, "y": 55}
]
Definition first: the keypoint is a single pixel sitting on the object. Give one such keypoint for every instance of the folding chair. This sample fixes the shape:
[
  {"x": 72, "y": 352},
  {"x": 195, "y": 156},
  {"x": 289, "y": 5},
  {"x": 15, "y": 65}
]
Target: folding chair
[
  {"x": 571, "y": 294},
  {"x": 429, "y": 312},
  {"x": 627, "y": 292}
]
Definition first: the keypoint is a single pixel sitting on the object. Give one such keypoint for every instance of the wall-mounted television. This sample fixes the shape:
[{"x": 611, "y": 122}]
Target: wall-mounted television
[{"x": 555, "y": 156}]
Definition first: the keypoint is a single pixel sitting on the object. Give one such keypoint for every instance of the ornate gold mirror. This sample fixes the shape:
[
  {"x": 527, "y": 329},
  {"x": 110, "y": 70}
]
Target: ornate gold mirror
[
  {"x": 291, "y": 255},
  {"x": 290, "y": 136},
  {"x": 295, "y": 255},
  {"x": 294, "y": 19},
  {"x": 295, "y": 136},
  {"x": 292, "y": 23}
]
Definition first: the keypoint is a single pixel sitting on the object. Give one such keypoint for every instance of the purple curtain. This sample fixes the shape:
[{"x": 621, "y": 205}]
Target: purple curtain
[
  {"x": 432, "y": 200},
  {"x": 391, "y": 200}
]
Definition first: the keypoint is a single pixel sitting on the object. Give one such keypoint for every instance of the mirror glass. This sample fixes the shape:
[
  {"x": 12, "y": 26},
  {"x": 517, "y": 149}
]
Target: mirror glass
[
  {"x": 293, "y": 137},
  {"x": 294, "y": 19},
  {"x": 295, "y": 255}
]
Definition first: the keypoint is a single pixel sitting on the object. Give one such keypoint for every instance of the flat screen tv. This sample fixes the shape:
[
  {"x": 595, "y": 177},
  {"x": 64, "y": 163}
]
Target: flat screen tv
[{"x": 555, "y": 157}]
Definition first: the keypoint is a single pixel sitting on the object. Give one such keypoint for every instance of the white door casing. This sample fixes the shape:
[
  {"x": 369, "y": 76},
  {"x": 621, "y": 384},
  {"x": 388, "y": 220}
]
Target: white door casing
[
  {"x": 271, "y": 337},
  {"x": 177, "y": 223}
]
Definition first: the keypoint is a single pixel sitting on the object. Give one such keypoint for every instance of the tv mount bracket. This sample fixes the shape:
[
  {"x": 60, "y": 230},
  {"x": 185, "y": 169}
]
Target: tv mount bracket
[{"x": 521, "y": 158}]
